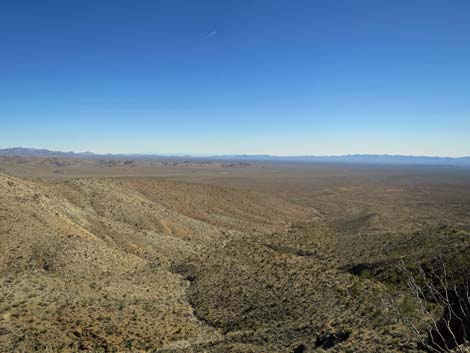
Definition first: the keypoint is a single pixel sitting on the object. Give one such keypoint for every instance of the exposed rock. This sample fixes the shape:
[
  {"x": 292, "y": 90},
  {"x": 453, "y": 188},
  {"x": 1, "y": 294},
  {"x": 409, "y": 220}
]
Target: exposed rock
[
  {"x": 300, "y": 348},
  {"x": 327, "y": 341}
]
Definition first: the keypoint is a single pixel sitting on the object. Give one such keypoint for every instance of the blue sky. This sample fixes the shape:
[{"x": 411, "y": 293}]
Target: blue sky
[{"x": 285, "y": 77}]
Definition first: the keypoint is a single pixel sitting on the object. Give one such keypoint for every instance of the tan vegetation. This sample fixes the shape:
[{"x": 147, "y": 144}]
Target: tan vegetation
[{"x": 251, "y": 258}]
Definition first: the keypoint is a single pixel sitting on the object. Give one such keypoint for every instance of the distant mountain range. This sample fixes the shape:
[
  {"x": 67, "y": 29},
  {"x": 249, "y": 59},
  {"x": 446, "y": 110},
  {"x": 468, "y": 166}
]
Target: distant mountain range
[
  {"x": 361, "y": 159},
  {"x": 34, "y": 152},
  {"x": 355, "y": 158}
]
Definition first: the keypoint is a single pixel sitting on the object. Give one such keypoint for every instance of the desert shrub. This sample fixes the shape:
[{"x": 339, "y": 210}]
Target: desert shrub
[{"x": 438, "y": 308}]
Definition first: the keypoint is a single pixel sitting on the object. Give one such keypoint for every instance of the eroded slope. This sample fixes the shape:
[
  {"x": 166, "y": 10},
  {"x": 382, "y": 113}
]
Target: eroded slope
[{"x": 88, "y": 264}]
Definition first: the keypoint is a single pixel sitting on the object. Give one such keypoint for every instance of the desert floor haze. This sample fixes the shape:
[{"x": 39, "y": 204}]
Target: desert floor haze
[{"x": 198, "y": 256}]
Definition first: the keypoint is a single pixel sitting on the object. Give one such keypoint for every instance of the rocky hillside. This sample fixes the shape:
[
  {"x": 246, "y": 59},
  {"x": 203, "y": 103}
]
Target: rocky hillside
[
  {"x": 141, "y": 264},
  {"x": 88, "y": 264}
]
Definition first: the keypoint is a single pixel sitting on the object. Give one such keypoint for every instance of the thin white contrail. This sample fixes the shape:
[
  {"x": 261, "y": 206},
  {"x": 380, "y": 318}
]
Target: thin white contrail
[{"x": 210, "y": 35}]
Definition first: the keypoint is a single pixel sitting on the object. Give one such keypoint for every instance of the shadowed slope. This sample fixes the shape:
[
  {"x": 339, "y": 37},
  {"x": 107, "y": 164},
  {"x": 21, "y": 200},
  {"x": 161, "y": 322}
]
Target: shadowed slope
[{"x": 87, "y": 264}]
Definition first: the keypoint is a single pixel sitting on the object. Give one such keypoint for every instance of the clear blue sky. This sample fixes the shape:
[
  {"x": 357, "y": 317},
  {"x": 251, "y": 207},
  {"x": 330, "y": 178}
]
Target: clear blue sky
[{"x": 279, "y": 77}]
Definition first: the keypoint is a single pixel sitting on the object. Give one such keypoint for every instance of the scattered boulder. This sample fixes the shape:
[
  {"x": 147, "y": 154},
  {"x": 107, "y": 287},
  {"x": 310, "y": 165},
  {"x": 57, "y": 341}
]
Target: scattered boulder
[
  {"x": 300, "y": 348},
  {"x": 329, "y": 340}
]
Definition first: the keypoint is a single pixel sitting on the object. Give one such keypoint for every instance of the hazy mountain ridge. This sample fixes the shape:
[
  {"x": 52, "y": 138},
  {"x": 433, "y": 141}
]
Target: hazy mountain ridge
[
  {"x": 363, "y": 158},
  {"x": 35, "y": 152},
  {"x": 354, "y": 158}
]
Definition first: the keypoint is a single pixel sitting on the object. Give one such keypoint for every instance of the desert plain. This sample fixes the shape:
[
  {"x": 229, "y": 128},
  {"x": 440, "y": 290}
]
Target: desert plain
[{"x": 177, "y": 255}]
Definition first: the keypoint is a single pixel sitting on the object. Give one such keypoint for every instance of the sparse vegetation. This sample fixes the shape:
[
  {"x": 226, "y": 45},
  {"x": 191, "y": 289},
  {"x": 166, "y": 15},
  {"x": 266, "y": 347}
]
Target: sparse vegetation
[{"x": 299, "y": 260}]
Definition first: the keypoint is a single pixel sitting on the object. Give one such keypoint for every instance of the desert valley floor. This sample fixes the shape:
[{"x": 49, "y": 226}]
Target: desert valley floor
[{"x": 194, "y": 256}]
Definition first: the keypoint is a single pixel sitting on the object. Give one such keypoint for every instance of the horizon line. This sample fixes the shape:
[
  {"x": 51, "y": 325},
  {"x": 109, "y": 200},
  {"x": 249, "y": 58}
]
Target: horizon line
[{"x": 215, "y": 155}]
